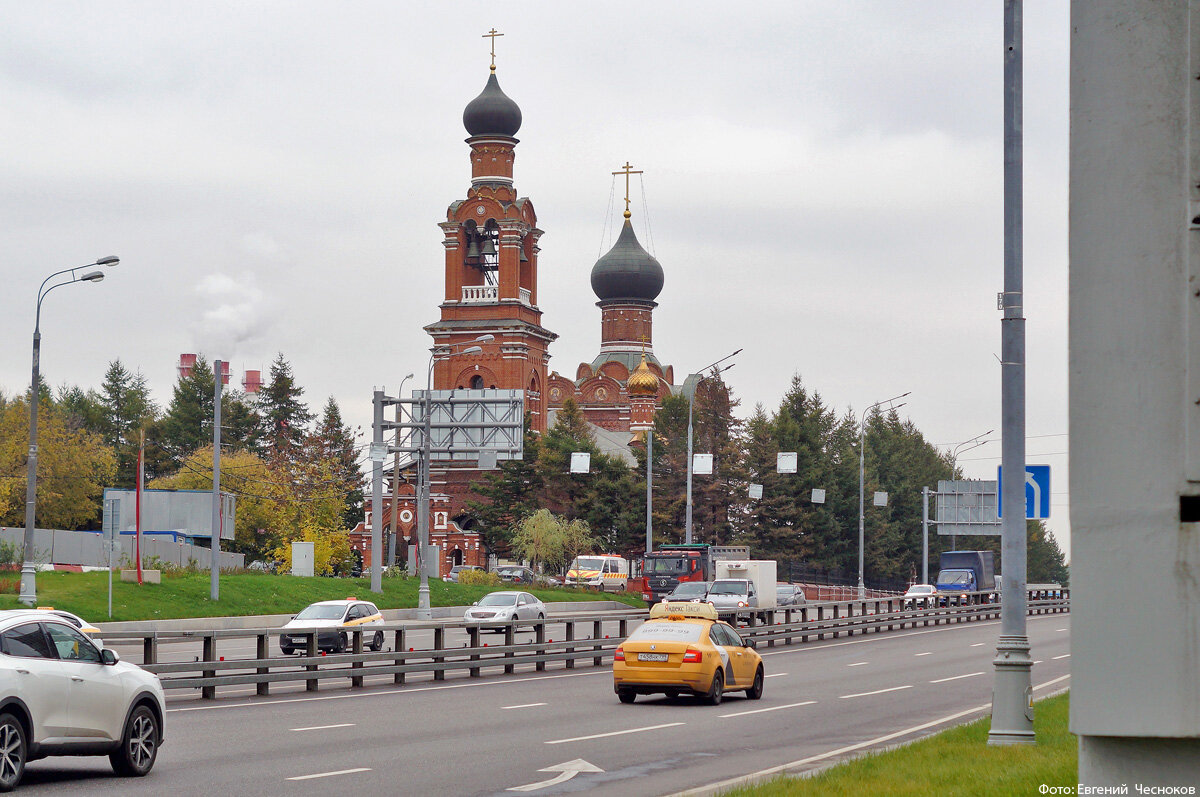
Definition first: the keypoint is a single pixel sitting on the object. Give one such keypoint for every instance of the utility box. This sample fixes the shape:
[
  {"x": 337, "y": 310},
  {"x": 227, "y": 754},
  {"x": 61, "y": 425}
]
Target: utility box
[
  {"x": 760, "y": 571},
  {"x": 304, "y": 559},
  {"x": 432, "y": 561}
]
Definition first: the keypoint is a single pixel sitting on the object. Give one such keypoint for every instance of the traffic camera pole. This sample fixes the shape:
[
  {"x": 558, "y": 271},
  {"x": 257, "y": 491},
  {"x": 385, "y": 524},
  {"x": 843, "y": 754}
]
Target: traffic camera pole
[{"x": 1012, "y": 694}]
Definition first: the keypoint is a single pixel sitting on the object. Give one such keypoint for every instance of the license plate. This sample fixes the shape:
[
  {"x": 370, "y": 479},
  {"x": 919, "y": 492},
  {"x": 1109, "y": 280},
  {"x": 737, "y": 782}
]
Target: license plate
[
  {"x": 296, "y": 640},
  {"x": 652, "y": 657}
]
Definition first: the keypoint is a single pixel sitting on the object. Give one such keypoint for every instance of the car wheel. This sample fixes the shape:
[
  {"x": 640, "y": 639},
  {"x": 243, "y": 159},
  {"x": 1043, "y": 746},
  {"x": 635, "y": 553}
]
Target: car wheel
[
  {"x": 13, "y": 751},
  {"x": 139, "y": 744},
  {"x": 285, "y": 651},
  {"x": 717, "y": 690},
  {"x": 626, "y": 695},
  {"x": 377, "y": 643},
  {"x": 755, "y": 691},
  {"x": 340, "y": 644},
  {"x": 541, "y": 616}
]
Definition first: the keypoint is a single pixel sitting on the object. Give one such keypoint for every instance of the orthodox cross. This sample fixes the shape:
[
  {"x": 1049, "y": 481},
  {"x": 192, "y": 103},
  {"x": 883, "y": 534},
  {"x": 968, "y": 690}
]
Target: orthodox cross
[
  {"x": 492, "y": 34},
  {"x": 627, "y": 170}
]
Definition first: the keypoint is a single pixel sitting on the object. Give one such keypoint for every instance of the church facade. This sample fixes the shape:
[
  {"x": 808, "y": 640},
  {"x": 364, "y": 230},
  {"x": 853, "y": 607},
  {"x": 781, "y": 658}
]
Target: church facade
[{"x": 490, "y": 333}]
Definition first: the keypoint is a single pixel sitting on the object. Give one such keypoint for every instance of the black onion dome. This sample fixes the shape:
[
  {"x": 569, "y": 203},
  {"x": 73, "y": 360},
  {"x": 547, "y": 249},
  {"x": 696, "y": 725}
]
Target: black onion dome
[
  {"x": 628, "y": 271},
  {"x": 492, "y": 113}
]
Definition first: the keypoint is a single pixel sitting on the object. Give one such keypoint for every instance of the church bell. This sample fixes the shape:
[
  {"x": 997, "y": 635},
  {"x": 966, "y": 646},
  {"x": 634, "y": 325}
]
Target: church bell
[
  {"x": 473, "y": 250},
  {"x": 489, "y": 247}
]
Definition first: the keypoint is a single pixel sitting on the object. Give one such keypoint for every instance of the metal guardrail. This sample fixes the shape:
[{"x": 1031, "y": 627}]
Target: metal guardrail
[{"x": 785, "y": 625}]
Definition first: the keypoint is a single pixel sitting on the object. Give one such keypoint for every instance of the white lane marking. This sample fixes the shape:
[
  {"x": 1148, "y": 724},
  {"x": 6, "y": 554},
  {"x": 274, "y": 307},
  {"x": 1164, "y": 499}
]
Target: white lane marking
[
  {"x": 955, "y": 677},
  {"x": 777, "y": 675},
  {"x": 1060, "y": 629},
  {"x": 725, "y": 785},
  {"x": 565, "y": 772},
  {"x": 331, "y": 774},
  {"x": 409, "y": 690},
  {"x": 979, "y": 644},
  {"x": 324, "y": 727},
  {"x": 1063, "y": 656},
  {"x": 614, "y": 733},
  {"x": 926, "y": 653},
  {"x": 856, "y": 664},
  {"x": 876, "y": 692},
  {"x": 772, "y": 708},
  {"x": 1039, "y": 661},
  {"x": 523, "y": 705},
  {"x": 1051, "y": 682}
]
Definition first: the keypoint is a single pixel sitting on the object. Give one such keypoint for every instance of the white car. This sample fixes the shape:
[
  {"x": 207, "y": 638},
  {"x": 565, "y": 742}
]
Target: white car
[
  {"x": 504, "y": 607},
  {"x": 333, "y": 621},
  {"x": 62, "y": 695},
  {"x": 920, "y": 596}
]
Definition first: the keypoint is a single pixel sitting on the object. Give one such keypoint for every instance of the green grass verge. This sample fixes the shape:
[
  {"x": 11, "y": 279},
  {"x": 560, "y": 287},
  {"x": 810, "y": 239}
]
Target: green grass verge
[
  {"x": 182, "y": 595},
  {"x": 956, "y": 761}
]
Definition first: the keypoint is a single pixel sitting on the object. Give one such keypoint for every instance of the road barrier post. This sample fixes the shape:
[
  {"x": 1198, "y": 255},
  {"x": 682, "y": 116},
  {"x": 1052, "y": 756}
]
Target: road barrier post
[{"x": 263, "y": 687}]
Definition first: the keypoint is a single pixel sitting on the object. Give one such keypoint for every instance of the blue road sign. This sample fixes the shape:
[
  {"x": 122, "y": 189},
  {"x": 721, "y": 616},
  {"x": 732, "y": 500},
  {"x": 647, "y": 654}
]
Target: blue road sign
[{"x": 1037, "y": 492}]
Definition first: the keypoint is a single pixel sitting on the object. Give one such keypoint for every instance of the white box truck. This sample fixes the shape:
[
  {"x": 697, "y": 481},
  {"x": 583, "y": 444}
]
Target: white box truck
[{"x": 759, "y": 571}]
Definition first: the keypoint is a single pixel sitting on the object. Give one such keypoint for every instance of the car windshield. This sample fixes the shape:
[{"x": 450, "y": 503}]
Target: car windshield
[
  {"x": 587, "y": 563},
  {"x": 666, "y": 632},
  {"x": 955, "y": 577},
  {"x": 322, "y": 612},
  {"x": 498, "y": 599},
  {"x": 665, "y": 565},
  {"x": 783, "y": 590},
  {"x": 920, "y": 590},
  {"x": 728, "y": 588},
  {"x": 690, "y": 589}
]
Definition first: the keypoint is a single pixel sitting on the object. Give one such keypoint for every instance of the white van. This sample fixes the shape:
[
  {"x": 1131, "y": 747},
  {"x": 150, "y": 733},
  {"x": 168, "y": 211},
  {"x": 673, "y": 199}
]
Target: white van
[{"x": 604, "y": 571}]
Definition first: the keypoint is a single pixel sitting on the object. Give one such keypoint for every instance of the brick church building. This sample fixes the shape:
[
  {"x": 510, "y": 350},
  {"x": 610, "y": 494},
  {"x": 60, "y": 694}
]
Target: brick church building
[{"x": 491, "y": 289}]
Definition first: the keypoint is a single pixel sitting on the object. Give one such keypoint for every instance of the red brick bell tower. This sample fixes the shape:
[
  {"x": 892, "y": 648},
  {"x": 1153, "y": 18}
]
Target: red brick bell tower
[{"x": 491, "y": 241}]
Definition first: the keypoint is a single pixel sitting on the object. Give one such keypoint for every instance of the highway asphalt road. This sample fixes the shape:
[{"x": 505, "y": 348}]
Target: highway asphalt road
[{"x": 823, "y": 701}]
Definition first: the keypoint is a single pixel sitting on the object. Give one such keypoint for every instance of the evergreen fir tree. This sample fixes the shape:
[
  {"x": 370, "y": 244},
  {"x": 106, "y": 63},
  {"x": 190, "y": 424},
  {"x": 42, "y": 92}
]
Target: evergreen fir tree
[
  {"x": 283, "y": 417},
  {"x": 333, "y": 443}
]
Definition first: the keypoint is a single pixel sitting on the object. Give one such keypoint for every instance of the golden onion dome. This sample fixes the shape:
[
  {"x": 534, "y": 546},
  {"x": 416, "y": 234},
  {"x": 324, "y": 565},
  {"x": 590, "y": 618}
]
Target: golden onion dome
[{"x": 642, "y": 382}]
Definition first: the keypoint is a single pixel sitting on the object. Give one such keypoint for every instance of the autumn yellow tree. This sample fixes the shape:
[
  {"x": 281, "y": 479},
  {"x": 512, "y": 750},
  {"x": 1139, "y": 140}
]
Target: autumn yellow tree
[
  {"x": 277, "y": 503},
  {"x": 74, "y": 467}
]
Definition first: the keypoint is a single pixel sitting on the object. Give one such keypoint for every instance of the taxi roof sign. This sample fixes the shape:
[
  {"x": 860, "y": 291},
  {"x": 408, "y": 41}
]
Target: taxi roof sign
[{"x": 702, "y": 611}]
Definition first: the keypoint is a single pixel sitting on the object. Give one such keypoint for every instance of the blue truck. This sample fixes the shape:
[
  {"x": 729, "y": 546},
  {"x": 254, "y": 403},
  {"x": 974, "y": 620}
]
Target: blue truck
[{"x": 965, "y": 571}]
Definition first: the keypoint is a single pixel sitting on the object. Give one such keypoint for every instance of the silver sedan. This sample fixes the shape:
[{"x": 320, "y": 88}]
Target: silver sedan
[{"x": 505, "y": 607}]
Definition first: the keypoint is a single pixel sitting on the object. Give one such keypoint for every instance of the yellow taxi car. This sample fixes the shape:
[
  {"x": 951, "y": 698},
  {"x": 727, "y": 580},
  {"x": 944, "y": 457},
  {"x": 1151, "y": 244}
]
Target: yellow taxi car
[{"x": 684, "y": 649}]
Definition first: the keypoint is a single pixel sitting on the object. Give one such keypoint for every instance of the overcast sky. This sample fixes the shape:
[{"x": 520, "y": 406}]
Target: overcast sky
[{"x": 823, "y": 186}]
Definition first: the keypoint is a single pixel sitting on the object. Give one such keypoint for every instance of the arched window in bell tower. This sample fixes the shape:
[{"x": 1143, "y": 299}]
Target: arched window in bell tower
[{"x": 477, "y": 382}]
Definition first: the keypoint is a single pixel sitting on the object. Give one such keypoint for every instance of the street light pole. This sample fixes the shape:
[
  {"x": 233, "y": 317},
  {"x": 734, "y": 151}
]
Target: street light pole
[
  {"x": 687, "y": 524},
  {"x": 424, "y": 611},
  {"x": 862, "y": 587},
  {"x": 28, "y": 594}
]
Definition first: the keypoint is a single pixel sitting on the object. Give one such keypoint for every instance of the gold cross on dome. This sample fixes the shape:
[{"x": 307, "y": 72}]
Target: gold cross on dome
[
  {"x": 492, "y": 34},
  {"x": 627, "y": 170}
]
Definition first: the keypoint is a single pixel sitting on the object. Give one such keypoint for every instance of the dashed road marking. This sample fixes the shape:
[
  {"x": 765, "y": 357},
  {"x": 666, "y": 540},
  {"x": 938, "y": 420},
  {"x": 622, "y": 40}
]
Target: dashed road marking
[
  {"x": 979, "y": 644},
  {"x": 324, "y": 727},
  {"x": 331, "y": 774},
  {"x": 1063, "y": 656},
  {"x": 926, "y": 653},
  {"x": 772, "y": 708},
  {"x": 876, "y": 692},
  {"x": 523, "y": 705},
  {"x": 955, "y": 677},
  {"x": 857, "y": 664},
  {"x": 614, "y": 733},
  {"x": 777, "y": 675}
]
